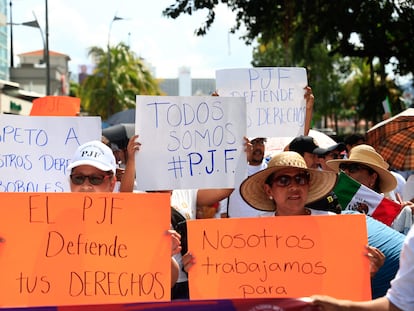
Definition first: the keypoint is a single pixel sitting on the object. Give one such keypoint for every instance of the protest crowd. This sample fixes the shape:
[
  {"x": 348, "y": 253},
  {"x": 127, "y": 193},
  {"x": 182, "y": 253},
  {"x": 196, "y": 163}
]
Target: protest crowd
[{"x": 302, "y": 179}]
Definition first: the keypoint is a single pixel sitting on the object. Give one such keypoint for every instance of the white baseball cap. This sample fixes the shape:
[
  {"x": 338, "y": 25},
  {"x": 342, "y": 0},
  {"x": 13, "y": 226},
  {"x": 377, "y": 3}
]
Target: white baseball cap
[{"x": 94, "y": 153}]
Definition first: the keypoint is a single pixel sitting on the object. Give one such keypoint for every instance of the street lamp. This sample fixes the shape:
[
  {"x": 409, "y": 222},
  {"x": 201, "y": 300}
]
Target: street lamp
[
  {"x": 46, "y": 50},
  {"x": 34, "y": 24},
  {"x": 45, "y": 40},
  {"x": 110, "y": 104}
]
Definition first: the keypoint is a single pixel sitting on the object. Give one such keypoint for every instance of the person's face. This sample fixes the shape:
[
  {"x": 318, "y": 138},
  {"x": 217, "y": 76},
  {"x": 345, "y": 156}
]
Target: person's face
[
  {"x": 120, "y": 157},
  {"x": 361, "y": 173},
  {"x": 258, "y": 151},
  {"x": 289, "y": 189},
  {"x": 333, "y": 155},
  {"x": 311, "y": 160},
  {"x": 101, "y": 181}
]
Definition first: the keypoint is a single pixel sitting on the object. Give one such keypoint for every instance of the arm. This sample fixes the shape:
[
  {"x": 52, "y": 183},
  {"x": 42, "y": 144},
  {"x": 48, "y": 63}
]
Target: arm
[
  {"x": 310, "y": 99},
  {"x": 248, "y": 148},
  {"x": 128, "y": 179},
  {"x": 211, "y": 196}
]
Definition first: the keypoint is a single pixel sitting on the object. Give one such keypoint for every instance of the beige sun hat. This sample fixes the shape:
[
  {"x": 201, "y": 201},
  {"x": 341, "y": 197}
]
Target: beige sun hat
[
  {"x": 366, "y": 155},
  {"x": 252, "y": 188}
]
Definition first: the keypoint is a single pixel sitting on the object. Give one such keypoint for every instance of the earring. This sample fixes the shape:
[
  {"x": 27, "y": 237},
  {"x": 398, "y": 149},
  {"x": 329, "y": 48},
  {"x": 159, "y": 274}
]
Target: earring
[{"x": 271, "y": 198}]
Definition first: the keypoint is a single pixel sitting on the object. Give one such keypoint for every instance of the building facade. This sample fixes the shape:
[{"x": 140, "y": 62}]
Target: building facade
[{"x": 31, "y": 72}]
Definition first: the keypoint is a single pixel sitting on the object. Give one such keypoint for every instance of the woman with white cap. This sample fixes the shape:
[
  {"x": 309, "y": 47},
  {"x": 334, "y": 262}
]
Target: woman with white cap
[{"x": 93, "y": 169}]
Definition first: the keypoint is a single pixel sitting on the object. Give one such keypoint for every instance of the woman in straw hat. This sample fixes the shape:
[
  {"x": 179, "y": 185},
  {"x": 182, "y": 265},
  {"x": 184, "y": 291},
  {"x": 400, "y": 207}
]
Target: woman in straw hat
[
  {"x": 287, "y": 185},
  {"x": 368, "y": 167}
]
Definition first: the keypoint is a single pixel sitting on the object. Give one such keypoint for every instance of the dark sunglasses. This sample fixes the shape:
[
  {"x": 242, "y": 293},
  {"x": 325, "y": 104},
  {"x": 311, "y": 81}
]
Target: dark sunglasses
[
  {"x": 354, "y": 167},
  {"x": 258, "y": 142},
  {"x": 300, "y": 179},
  {"x": 95, "y": 180}
]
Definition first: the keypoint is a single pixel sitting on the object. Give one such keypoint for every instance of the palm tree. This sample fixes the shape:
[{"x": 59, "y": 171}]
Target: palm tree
[{"x": 118, "y": 77}]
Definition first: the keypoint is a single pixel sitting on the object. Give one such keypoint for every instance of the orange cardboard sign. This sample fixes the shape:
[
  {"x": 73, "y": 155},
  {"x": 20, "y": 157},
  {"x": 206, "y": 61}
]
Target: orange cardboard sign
[
  {"x": 84, "y": 248},
  {"x": 56, "y": 106},
  {"x": 279, "y": 257}
]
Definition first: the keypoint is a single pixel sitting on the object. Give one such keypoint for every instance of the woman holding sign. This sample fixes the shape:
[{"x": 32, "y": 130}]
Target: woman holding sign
[
  {"x": 93, "y": 169},
  {"x": 285, "y": 187}
]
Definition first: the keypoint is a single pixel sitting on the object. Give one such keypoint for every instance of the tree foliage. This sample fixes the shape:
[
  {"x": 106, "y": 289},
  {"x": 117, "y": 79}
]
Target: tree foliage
[
  {"x": 384, "y": 28},
  {"x": 118, "y": 77},
  {"x": 331, "y": 39}
]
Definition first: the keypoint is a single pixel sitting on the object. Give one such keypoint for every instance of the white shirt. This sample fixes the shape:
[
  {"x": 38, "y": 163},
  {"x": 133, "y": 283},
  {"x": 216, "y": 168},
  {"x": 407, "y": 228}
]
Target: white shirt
[
  {"x": 237, "y": 207},
  {"x": 401, "y": 292}
]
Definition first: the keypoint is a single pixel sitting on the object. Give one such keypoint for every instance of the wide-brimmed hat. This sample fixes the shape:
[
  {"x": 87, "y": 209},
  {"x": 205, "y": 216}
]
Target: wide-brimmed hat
[
  {"x": 366, "y": 155},
  {"x": 94, "y": 153},
  {"x": 252, "y": 188}
]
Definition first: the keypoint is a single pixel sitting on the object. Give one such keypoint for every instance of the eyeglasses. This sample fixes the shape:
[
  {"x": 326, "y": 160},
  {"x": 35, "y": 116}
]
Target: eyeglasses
[
  {"x": 258, "y": 142},
  {"x": 300, "y": 179},
  {"x": 95, "y": 180},
  {"x": 354, "y": 167}
]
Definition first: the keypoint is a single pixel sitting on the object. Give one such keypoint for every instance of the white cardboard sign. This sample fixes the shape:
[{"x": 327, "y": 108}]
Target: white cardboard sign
[
  {"x": 190, "y": 142},
  {"x": 36, "y": 151},
  {"x": 274, "y": 97}
]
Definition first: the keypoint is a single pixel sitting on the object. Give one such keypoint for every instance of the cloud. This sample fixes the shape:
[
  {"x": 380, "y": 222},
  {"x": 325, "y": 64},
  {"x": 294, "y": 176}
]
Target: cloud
[{"x": 168, "y": 44}]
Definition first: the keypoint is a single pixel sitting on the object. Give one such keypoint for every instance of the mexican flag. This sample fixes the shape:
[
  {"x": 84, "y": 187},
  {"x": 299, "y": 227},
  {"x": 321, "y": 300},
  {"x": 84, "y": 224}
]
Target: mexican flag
[{"x": 354, "y": 196}]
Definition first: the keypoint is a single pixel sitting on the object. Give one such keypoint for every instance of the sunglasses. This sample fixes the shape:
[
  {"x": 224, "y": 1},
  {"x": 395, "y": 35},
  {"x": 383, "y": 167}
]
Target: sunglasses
[
  {"x": 258, "y": 142},
  {"x": 300, "y": 179},
  {"x": 354, "y": 167},
  {"x": 95, "y": 180}
]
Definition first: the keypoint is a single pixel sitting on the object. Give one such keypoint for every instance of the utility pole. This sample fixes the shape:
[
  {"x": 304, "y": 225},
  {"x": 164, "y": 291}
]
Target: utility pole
[{"x": 47, "y": 59}]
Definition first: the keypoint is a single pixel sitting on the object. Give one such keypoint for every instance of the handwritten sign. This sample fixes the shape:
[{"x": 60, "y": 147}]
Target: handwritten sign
[
  {"x": 56, "y": 106},
  {"x": 190, "y": 142},
  {"x": 280, "y": 257},
  {"x": 84, "y": 248},
  {"x": 274, "y": 98},
  {"x": 36, "y": 151}
]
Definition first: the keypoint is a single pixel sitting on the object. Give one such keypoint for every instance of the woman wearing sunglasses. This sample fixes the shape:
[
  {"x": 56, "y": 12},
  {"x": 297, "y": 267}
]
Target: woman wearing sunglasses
[
  {"x": 93, "y": 169},
  {"x": 287, "y": 185},
  {"x": 368, "y": 167}
]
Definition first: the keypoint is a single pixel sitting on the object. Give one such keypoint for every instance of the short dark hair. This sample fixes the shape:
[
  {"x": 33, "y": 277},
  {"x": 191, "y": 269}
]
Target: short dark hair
[{"x": 353, "y": 139}]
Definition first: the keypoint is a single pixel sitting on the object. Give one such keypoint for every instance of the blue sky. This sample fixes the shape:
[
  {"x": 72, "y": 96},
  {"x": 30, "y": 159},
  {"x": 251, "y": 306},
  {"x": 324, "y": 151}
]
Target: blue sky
[{"x": 167, "y": 44}]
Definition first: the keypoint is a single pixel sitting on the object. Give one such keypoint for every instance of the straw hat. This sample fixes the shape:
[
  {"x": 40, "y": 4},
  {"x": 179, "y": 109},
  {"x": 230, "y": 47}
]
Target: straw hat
[
  {"x": 366, "y": 155},
  {"x": 252, "y": 188}
]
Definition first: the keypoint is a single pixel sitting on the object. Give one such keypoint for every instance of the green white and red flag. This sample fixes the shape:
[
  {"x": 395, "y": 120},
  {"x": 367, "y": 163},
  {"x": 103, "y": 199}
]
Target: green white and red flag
[{"x": 354, "y": 196}]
